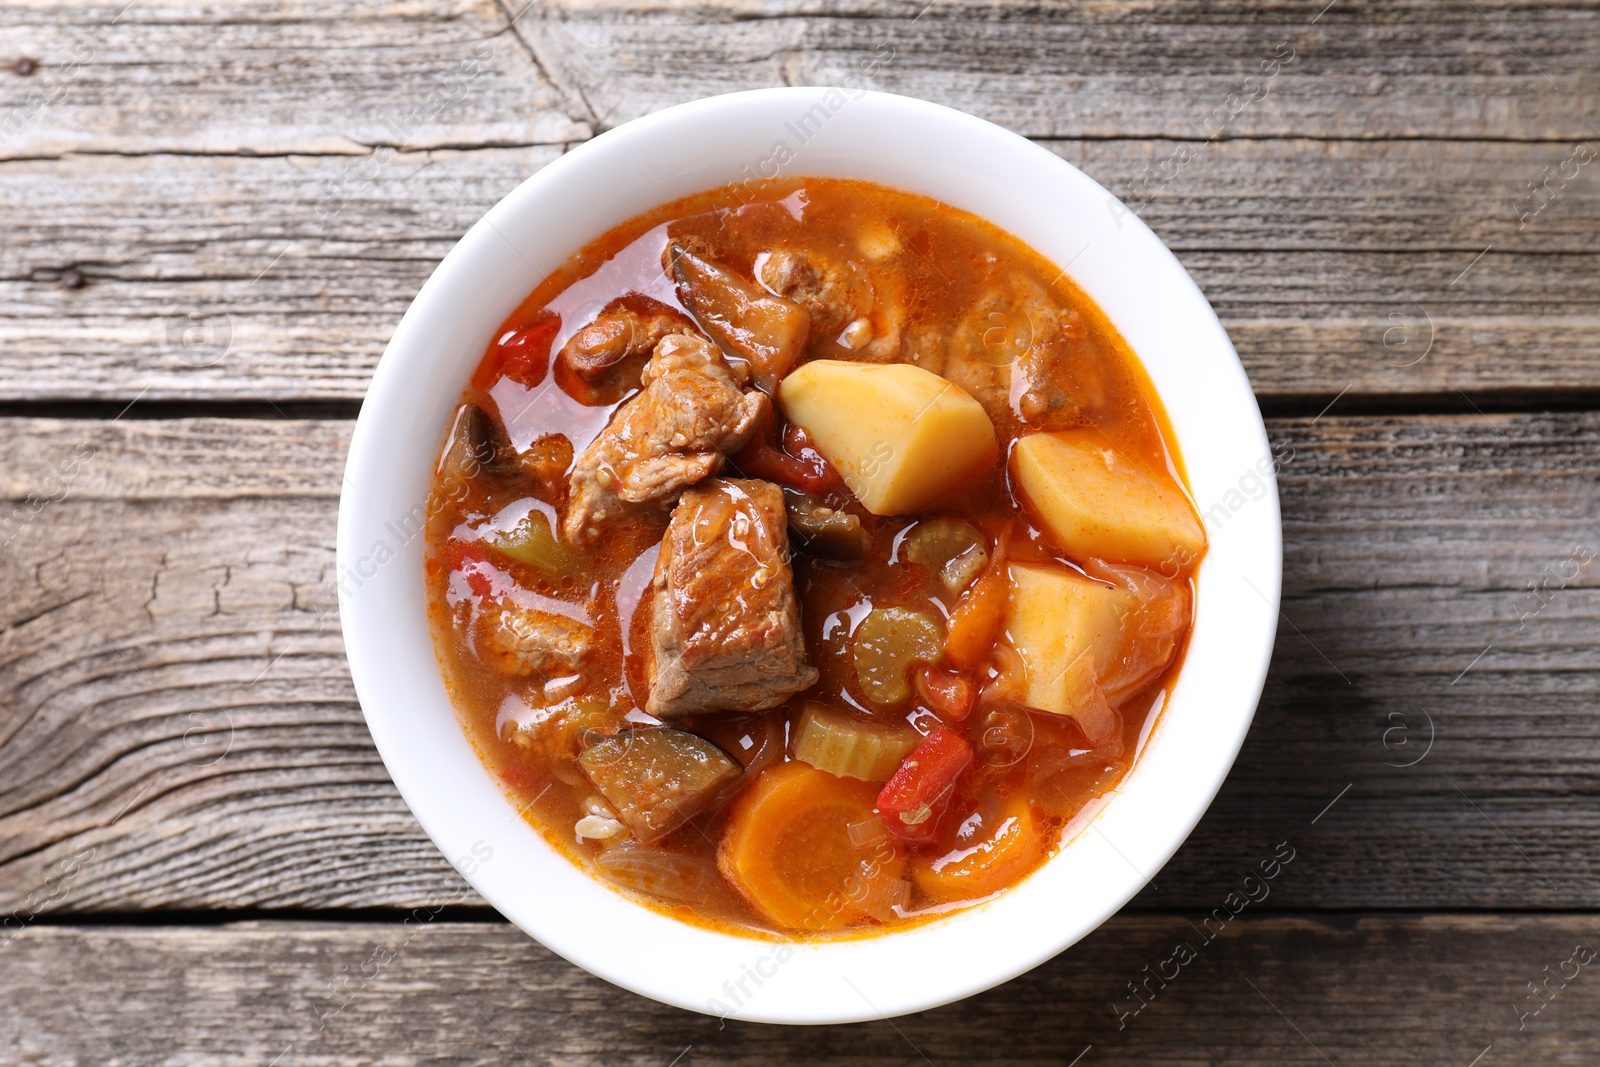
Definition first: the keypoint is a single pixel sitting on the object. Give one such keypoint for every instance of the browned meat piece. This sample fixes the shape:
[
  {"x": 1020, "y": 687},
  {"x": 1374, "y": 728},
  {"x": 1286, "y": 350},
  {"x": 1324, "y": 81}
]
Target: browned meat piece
[
  {"x": 614, "y": 336},
  {"x": 1021, "y": 355},
  {"x": 834, "y": 294},
  {"x": 725, "y": 623},
  {"x": 1040, "y": 396},
  {"x": 671, "y": 435},
  {"x": 519, "y": 640},
  {"x": 926, "y": 347},
  {"x": 547, "y": 461},
  {"x": 767, "y": 331},
  {"x": 849, "y": 310}
]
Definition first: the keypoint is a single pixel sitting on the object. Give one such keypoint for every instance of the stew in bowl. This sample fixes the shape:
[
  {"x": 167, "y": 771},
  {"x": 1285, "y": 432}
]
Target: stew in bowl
[
  {"x": 967, "y": 679},
  {"x": 805, "y": 555}
]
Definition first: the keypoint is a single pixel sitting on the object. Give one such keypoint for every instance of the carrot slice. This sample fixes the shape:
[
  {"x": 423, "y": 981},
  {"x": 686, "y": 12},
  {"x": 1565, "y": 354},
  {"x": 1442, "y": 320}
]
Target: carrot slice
[
  {"x": 975, "y": 622},
  {"x": 1005, "y": 849},
  {"x": 789, "y": 849}
]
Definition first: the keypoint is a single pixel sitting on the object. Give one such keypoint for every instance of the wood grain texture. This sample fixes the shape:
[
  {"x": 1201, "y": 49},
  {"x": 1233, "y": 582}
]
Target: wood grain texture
[
  {"x": 256, "y": 198},
  {"x": 174, "y": 697},
  {"x": 171, "y": 75},
  {"x": 272, "y": 78},
  {"x": 1334, "y": 265},
  {"x": 255, "y": 191},
  {"x": 1281, "y": 991}
]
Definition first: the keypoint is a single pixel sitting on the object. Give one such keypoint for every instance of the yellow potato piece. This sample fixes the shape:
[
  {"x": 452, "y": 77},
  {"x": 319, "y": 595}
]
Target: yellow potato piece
[
  {"x": 898, "y": 435},
  {"x": 1067, "y": 630},
  {"x": 1096, "y": 502}
]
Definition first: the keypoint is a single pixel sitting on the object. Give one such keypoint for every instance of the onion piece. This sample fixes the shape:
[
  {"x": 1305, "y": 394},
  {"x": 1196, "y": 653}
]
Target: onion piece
[
  {"x": 882, "y": 896},
  {"x": 656, "y": 872}
]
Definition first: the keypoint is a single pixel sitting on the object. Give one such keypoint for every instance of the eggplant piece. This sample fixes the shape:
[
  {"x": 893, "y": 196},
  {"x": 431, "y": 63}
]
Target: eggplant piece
[
  {"x": 767, "y": 331},
  {"x": 823, "y": 531},
  {"x": 478, "y": 447},
  {"x": 658, "y": 778}
]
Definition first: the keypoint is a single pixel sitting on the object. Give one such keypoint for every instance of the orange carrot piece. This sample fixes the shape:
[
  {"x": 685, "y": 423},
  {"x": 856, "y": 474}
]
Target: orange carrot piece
[
  {"x": 788, "y": 848},
  {"x": 1000, "y": 858},
  {"x": 975, "y": 623}
]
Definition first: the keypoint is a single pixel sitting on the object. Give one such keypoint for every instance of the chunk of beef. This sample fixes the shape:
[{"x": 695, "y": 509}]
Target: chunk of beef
[
  {"x": 767, "y": 331},
  {"x": 849, "y": 310},
  {"x": 1021, "y": 354},
  {"x": 833, "y": 294},
  {"x": 614, "y": 336},
  {"x": 927, "y": 347},
  {"x": 519, "y": 640},
  {"x": 674, "y": 433},
  {"x": 725, "y": 623}
]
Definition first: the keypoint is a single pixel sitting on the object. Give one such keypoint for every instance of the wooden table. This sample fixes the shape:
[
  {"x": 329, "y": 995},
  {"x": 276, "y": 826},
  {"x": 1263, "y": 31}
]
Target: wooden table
[{"x": 215, "y": 213}]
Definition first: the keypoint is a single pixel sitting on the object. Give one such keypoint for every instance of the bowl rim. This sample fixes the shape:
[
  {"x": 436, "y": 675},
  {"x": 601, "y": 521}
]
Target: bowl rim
[{"x": 392, "y": 687}]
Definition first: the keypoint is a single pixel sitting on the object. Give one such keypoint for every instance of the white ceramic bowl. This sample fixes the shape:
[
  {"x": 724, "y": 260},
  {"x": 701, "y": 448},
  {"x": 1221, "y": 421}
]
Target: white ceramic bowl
[{"x": 907, "y": 144}]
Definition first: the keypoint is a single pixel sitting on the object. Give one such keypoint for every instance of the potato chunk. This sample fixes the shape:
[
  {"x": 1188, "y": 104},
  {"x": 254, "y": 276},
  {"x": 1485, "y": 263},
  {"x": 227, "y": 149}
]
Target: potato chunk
[
  {"x": 1068, "y": 632},
  {"x": 1095, "y": 502},
  {"x": 899, "y": 435}
]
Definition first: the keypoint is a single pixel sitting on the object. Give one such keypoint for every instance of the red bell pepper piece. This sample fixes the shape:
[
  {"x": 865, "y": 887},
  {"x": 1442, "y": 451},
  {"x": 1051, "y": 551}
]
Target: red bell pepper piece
[
  {"x": 914, "y": 798},
  {"x": 523, "y": 355}
]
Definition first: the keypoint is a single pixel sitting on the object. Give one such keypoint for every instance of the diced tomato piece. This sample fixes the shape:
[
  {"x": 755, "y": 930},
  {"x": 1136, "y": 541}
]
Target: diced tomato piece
[
  {"x": 797, "y": 443},
  {"x": 809, "y": 474},
  {"x": 523, "y": 355},
  {"x": 756, "y": 460},
  {"x": 914, "y": 798},
  {"x": 948, "y": 693}
]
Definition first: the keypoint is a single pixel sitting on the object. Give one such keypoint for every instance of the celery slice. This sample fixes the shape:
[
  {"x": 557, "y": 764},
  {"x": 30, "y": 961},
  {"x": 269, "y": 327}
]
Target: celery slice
[
  {"x": 952, "y": 549},
  {"x": 885, "y": 645},
  {"x": 533, "y": 541},
  {"x": 834, "y": 741}
]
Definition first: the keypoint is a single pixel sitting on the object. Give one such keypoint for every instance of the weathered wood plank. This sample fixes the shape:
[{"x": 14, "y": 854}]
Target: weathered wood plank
[
  {"x": 1280, "y": 991},
  {"x": 168, "y": 75},
  {"x": 1334, "y": 265},
  {"x": 173, "y": 694},
  {"x": 273, "y": 79}
]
